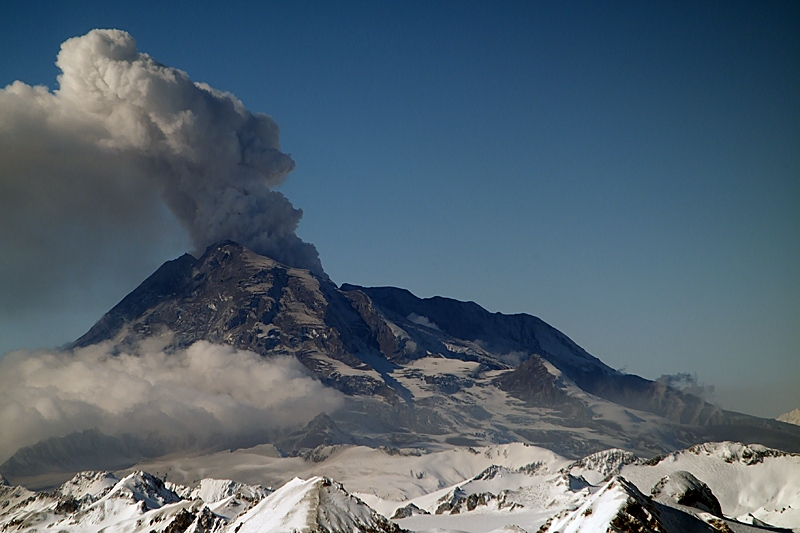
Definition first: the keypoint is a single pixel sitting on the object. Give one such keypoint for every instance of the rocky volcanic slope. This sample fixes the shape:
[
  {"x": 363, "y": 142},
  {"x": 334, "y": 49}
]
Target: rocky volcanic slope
[
  {"x": 417, "y": 372},
  {"x": 234, "y": 296}
]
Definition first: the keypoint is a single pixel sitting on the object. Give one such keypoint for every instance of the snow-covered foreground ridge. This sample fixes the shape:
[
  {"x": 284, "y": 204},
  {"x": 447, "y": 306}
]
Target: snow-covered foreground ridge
[
  {"x": 140, "y": 502},
  {"x": 711, "y": 487}
]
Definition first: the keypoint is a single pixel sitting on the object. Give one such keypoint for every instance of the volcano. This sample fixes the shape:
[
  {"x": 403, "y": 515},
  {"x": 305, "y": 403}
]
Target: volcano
[
  {"x": 430, "y": 373},
  {"x": 451, "y": 418}
]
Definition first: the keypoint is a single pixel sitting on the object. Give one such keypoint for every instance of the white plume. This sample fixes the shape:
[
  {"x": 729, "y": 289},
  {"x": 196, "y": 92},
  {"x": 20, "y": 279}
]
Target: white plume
[{"x": 88, "y": 168}]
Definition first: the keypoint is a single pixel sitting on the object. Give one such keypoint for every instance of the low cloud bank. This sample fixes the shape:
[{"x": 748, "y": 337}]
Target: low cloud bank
[{"x": 209, "y": 394}]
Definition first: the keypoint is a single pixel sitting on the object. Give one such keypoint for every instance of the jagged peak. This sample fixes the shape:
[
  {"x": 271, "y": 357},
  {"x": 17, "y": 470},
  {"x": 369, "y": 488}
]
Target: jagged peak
[
  {"x": 214, "y": 490},
  {"x": 792, "y": 417},
  {"x": 144, "y": 487},
  {"x": 620, "y": 506},
  {"x": 315, "y": 504},
  {"x": 89, "y": 483},
  {"x": 606, "y": 462},
  {"x": 731, "y": 452}
]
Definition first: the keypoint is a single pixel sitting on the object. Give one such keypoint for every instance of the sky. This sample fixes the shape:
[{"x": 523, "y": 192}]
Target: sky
[{"x": 629, "y": 172}]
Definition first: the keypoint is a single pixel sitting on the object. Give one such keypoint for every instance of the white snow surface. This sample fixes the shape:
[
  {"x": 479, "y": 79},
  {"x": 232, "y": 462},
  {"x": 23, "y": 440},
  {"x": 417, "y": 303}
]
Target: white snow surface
[
  {"x": 748, "y": 480},
  {"x": 216, "y": 490},
  {"x": 502, "y": 488},
  {"x": 316, "y": 504},
  {"x": 89, "y": 484},
  {"x": 596, "y": 513}
]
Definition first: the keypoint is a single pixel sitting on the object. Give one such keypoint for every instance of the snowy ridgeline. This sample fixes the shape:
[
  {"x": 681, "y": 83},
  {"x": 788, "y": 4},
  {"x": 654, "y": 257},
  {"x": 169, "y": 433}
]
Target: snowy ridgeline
[
  {"x": 710, "y": 487},
  {"x": 99, "y": 501}
]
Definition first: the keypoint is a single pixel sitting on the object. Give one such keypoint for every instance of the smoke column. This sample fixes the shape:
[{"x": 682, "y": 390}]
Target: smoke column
[
  {"x": 215, "y": 161},
  {"x": 124, "y": 133}
]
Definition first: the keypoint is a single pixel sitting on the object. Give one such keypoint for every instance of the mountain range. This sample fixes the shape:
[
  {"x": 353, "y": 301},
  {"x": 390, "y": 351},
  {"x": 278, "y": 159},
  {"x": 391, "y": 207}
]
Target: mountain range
[
  {"x": 417, "y": 377},
  {"x": 722, "y": 487}
]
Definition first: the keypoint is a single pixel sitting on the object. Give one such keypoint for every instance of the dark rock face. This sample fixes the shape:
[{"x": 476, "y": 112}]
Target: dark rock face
[
  {"x": 526, "y": 334},
  {"x": 531, "y": 382},
  {"x": 642, "y": 514},
  {"x": 234, "y": 296},
  {"x": 407, "y": 511}
]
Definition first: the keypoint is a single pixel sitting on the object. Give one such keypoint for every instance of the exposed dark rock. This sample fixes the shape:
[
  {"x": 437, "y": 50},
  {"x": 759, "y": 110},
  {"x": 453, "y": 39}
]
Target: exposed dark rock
[
  {"x": 234, "y": 296},
  {"x": 527, "y": 334},
  {"x": 683, "y": 488},
  {"x": 532, "y": 383},
  {"x": 67, "y": 505},
  {"x": 181, "y": 522},
  {"x": 407, "y": 511},
  {"x": 172, "y": 278}
]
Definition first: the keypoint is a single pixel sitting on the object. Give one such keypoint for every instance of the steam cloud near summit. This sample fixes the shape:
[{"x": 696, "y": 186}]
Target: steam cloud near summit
[{"x": 93, "y": 163}]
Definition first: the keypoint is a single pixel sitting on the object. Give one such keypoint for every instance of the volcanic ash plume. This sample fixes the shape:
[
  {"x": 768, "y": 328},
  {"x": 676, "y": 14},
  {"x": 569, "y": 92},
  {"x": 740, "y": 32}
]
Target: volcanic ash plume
[{"x": 121, "y": 137}]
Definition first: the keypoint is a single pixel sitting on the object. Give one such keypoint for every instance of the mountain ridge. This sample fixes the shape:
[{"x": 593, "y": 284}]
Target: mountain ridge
[{"x": 722, "y": 486}]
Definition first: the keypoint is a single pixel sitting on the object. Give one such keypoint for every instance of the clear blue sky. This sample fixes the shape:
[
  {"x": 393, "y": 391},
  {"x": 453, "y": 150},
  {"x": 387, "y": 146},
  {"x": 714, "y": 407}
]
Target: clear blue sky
[{"x": 627, "y": 171}]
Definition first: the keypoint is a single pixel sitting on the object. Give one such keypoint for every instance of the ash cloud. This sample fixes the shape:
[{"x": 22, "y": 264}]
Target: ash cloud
[
  {"x": 208, "y": 394},
  {"x": 98, "y": 173}
]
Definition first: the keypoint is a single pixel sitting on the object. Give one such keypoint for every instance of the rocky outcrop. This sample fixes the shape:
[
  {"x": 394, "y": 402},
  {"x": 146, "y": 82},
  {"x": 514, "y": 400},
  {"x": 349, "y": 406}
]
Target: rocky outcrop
[
  {"x": 234, "y": 296},
  {"x": 532, "y": 383},
  {"x": 524, "y": 334},
  {"x": 683, "y": 488}
]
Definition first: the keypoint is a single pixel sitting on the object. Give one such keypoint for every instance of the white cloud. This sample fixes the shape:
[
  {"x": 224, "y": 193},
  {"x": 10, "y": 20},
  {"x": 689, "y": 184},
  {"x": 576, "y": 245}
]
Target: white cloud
[
  {"x": 422, "y": 321},
  {"x": 211, "y": 393}
]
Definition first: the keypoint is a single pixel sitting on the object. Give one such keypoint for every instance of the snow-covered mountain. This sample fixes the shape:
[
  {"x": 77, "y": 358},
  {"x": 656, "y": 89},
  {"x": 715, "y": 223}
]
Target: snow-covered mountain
[
  {"x": 425, "y": 373},
  {"x": 520, "y": 488}
]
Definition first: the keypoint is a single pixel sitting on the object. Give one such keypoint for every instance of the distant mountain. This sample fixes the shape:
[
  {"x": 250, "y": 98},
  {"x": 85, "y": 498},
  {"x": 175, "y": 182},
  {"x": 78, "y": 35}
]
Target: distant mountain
[
  {"x": 84, "y": 450},
  {"x": 792, "y": 417},
  {"x": 428, "y": 373}
]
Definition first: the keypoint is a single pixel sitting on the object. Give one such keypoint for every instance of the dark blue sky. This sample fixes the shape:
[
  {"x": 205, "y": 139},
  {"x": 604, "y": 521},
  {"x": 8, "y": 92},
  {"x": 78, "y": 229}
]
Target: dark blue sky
[{"x": 627, "y": 171}]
